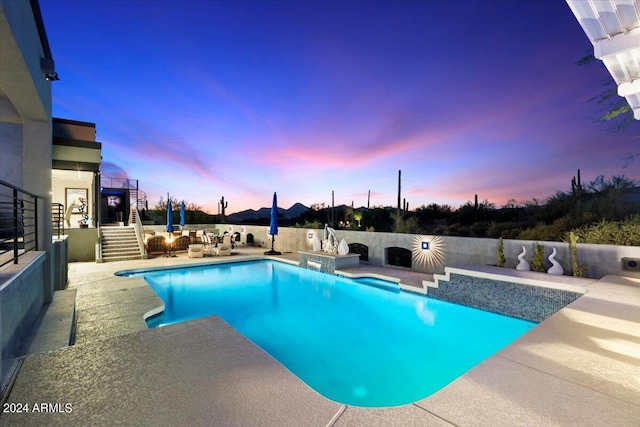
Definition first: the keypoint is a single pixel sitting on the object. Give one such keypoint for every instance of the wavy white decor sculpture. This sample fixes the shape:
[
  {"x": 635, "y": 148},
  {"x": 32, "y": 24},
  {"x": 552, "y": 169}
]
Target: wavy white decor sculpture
[
  {"x": 330, "y": 244},
  {"x": 523, "y": 265},
  {"x": 343, "y": 248},
  {"x": 556, "y": 268},
  {"x": 317, "y": 245}
]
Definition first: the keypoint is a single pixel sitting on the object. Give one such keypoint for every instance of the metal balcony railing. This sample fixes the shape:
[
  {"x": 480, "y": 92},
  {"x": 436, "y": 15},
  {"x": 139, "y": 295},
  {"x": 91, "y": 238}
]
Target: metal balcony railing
[
  {"x": 18, "y": 223},
  {"x": 57, "y": 219}
]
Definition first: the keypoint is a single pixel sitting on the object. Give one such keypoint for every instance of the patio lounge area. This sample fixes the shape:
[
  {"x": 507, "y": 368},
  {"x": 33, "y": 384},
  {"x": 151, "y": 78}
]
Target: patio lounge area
[{"x": 581, "y": 366}]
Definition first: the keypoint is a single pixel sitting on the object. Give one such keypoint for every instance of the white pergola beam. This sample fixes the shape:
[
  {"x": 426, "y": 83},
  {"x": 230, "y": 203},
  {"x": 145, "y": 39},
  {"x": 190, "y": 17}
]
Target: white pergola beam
[
  {"x": 629, "y": 88},
  {"x": 617, "y": 44}
]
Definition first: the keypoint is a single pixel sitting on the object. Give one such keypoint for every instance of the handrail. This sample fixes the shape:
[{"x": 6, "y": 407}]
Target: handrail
[
  {"x": 18, "y": 223},
  {"x": 137, "y": 225},
  {"x": 99, "y": 244}
]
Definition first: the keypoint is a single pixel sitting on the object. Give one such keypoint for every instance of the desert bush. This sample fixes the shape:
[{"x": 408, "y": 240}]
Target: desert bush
[
  {"x": 500, "y": 255},
  {"x": 407, "y": 225},
  {"x": 624, "y": 233},
  {"x": 579, "y": 270},
  {"x": 307, "y": 224},
  {"x": 537, "y": 263}
]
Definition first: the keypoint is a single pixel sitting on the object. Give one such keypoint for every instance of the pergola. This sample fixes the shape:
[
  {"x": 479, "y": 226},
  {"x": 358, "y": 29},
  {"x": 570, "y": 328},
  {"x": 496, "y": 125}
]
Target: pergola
[{"x": 613, "y": 26}]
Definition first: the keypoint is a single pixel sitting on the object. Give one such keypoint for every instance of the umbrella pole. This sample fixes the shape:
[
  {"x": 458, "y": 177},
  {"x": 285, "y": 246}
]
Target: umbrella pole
[{"x": 272, "y": 251}]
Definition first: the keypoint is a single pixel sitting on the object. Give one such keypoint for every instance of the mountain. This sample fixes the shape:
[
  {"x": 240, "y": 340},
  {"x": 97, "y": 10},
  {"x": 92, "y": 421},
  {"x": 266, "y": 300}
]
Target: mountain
[
  {"x": 295, "y": 211},
  {"x": 264, "y": 213}
]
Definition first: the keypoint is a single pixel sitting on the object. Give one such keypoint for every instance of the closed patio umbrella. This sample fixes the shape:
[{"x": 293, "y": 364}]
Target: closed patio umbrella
[
  {"x": 273, "y": 225},
  {"x": 182, "y": 214},
  {"x": 169, "y": 216}
]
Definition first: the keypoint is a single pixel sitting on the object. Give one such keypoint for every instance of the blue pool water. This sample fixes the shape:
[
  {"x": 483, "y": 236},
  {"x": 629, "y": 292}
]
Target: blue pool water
[{"x": 359, "y": 342}]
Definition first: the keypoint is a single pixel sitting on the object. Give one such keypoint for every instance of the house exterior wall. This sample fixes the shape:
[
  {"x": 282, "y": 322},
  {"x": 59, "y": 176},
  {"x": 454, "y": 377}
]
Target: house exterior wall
[
  {"x": 25, "y": 162},
  {"x": 11, "y": 131},
  {"x": 76, "y": 162},
  {"x": 73, "y": 129}
]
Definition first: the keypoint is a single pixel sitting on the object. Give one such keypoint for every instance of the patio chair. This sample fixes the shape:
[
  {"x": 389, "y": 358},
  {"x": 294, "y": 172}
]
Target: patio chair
[
  {"x": 156, "y": 245},
  {"x": 224, "y": 248},
  {"x": 181, "y": 243},
  {"x": 207, "y": 245}
]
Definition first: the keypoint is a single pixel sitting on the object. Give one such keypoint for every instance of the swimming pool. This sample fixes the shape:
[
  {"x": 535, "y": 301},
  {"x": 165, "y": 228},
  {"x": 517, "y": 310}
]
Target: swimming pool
[{"x": 360, "y": 342}]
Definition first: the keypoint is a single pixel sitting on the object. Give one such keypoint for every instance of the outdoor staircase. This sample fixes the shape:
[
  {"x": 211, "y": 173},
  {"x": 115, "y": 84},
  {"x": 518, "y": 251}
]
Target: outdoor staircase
[{"x": 119, "y": 244}]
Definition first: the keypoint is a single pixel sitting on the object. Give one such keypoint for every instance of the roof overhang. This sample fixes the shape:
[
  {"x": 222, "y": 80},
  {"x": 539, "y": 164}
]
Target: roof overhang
[{"x": 613, "y": 27}]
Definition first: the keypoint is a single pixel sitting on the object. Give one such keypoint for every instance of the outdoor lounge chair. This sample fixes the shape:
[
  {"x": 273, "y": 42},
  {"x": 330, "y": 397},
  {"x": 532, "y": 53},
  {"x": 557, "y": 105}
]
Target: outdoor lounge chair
[
  {"x": 156, "y": 245},
  {"x": 207, "y": 245},
  {"x": 224, "y": 248}
]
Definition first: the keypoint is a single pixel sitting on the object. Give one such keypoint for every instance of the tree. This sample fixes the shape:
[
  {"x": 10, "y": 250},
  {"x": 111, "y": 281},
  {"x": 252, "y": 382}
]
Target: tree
[{"x": 614, "y": 109}]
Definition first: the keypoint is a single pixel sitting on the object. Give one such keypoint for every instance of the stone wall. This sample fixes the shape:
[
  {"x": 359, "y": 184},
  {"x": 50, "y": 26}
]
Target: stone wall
[
  {"x": 21, "y": 298},
  {"x": 443, "y": 250}
]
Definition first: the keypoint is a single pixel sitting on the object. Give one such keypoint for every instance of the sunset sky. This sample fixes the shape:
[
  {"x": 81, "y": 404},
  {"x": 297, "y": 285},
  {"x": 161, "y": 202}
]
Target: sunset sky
[{"x": 204, "y": 99}]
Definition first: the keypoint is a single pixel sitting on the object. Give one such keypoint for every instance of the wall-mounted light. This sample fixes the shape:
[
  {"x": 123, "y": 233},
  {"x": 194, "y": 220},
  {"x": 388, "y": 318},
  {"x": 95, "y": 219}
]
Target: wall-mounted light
[
  {"x": 309, "y": 236},
  {"x": 428, "y": 251},
  {"x": 48, "y": 68},
  {"x": 242, "y": 230}
]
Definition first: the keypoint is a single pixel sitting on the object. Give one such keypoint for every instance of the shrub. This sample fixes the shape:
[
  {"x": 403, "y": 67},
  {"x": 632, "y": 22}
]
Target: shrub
[
  {"x": 537, "y": 264},
  {"x": 579, "y": 270},
  {"x": 500, "y": 255},
  {"x": 624, "y": 233},
  {"x": 407, "y": 225}
]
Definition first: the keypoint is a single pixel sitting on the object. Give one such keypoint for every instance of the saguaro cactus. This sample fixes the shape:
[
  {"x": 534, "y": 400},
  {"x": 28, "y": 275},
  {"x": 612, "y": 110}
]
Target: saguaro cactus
[
  {"x": 398, "y": 211},
  {"x": 223, "y": 206},
  {"x": 576, "y": 186}
]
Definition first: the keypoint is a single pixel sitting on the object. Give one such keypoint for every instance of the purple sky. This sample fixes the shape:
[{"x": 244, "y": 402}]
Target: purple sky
[{"x": 204, "y": 99}]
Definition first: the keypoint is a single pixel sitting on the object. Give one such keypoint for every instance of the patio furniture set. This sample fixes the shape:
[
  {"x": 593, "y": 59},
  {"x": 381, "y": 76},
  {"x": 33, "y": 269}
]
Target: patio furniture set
[{"x": 195, "y": 243}]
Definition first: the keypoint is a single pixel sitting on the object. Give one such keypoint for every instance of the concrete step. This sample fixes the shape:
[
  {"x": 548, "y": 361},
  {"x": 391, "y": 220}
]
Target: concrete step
[
  {"x": 117, "y": 229},
  {"x": 120, "y": 244},
  {"x": 121, "y": 258},
  {"x": 120, "y": 249},
  {"x": 54, "y": 327}
]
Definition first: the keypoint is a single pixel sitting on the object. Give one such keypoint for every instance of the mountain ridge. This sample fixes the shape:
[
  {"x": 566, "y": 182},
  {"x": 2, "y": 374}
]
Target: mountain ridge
[{"x": 294, "y": 211}]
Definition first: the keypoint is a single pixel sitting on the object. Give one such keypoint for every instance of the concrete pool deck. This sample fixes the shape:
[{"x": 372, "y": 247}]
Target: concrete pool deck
[{"x": 581, "y": 366}]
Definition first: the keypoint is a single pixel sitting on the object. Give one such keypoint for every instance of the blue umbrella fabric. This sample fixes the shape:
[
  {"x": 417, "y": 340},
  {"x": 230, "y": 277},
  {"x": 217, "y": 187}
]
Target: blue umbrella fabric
[
  {"x": 169, "y": 217},
  {"x": 182, "y": 214},
  {"x": 273, "y": 225}
]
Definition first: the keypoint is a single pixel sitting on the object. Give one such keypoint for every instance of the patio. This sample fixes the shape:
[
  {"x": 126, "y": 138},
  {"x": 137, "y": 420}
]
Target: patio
[{"x": 579, "y": 367}]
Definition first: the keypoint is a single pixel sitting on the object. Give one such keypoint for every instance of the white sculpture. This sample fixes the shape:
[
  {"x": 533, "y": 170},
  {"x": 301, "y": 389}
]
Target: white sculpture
[
  {"x": 523, "y": 265},
  {"x": 556, "y": 268},
  {"x": 317, "y": 245},
  {"x": 343, "y": 248},
  {"x": 330, "y": 244}
]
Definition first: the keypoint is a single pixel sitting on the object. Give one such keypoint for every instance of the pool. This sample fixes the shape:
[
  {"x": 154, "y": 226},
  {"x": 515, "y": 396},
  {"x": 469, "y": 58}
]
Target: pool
[{"x": 360, "y": 342}]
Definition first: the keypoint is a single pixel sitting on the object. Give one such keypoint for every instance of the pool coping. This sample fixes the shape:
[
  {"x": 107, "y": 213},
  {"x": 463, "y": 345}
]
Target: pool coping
[{"x": 576, "y": 367}]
